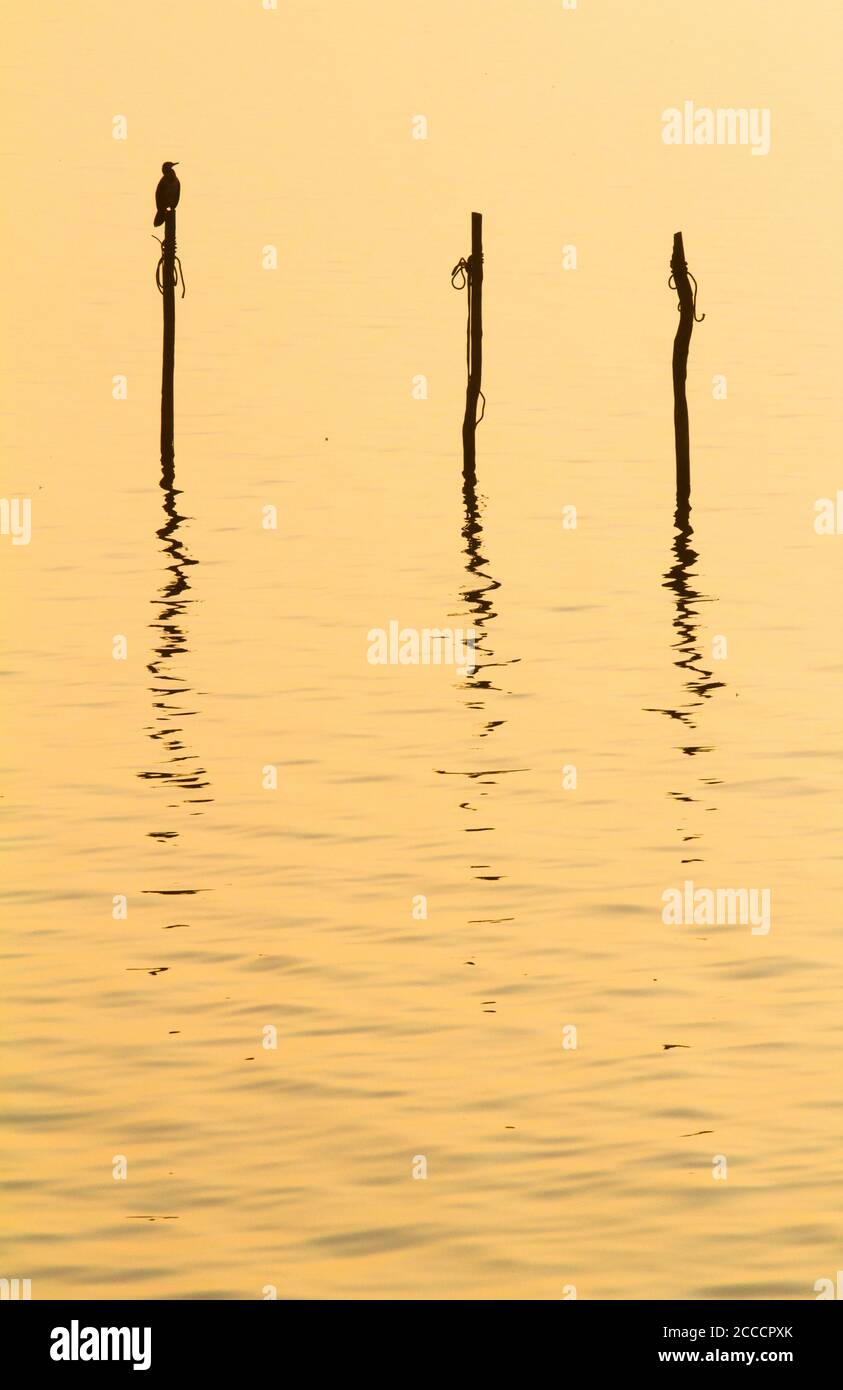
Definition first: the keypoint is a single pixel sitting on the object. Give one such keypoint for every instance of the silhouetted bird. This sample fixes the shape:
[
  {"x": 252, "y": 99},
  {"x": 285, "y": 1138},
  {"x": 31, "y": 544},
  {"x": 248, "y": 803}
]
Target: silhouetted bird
[{"x": 167, "y": 193}]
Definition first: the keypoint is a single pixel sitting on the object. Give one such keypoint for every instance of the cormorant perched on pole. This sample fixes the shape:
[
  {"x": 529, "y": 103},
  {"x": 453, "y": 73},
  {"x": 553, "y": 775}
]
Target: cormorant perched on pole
[{"x": 167, "y": 193}]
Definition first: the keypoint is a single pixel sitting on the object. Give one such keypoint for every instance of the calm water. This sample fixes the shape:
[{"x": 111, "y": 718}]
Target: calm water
[{"x": 291, "y": 909}]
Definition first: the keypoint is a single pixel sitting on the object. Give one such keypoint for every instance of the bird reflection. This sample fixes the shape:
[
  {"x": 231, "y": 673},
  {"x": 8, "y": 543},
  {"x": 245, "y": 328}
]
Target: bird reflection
[
  {"x": 699, "y": 682},
  {"x": 178, "y": 771}
]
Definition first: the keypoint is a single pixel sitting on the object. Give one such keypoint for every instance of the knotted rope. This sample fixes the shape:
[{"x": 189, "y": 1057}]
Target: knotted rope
[
  {"x": 177, "y": 270},
  {"x": 463, "y": 268},
  {"x": 671, "y": 284}
]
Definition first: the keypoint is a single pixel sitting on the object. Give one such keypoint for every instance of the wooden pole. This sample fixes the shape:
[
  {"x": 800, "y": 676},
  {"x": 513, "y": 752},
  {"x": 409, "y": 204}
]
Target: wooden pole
[
  {"x": 681, "y": 343},
  {"x": 474, "y": 278},
  {"x": 168, "y": 280}
]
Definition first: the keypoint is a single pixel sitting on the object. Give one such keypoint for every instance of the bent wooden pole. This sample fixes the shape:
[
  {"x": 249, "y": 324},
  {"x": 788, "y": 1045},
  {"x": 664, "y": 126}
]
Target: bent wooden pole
[
  {"x": 474, "y": 278},
  {"x": 681, "y": 343},
  {"x": 168, "y": 293}
]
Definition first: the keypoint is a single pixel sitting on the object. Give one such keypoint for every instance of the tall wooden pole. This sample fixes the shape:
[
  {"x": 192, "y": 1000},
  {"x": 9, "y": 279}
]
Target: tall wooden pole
[
  {"x": 168, "y": 280},
  {"x": 681, "y": 343},
  {"x": 474, "y": 277}
]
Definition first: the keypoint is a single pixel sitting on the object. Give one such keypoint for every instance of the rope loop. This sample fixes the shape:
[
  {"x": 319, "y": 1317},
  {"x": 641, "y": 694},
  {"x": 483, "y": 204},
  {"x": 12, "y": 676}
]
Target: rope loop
[
  {"x": 691, "y": 278},
  {"x": 463, "y": 268},
  {"x": 178, "y": 273},
  {"x": 671, "y": 284}
]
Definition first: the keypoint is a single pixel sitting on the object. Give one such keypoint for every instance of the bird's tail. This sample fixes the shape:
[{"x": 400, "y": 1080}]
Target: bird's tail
[{"x": 159, "y": 219}]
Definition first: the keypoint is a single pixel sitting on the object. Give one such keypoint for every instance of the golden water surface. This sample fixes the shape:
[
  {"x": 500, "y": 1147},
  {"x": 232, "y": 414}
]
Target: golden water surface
[{"x": 692, "y": 677}]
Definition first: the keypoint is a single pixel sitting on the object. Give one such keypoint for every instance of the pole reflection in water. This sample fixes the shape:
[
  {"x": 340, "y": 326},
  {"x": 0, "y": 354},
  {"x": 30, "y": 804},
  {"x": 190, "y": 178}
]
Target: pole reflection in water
[
  {"x": 699, "y": 681},
  {"x": 178, "y": 771},
  {"x": 476, "y": 593}
]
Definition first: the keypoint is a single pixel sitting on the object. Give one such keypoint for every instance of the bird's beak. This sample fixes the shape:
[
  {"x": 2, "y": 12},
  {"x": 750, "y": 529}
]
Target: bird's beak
[{"x": 175, "y": 162}]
